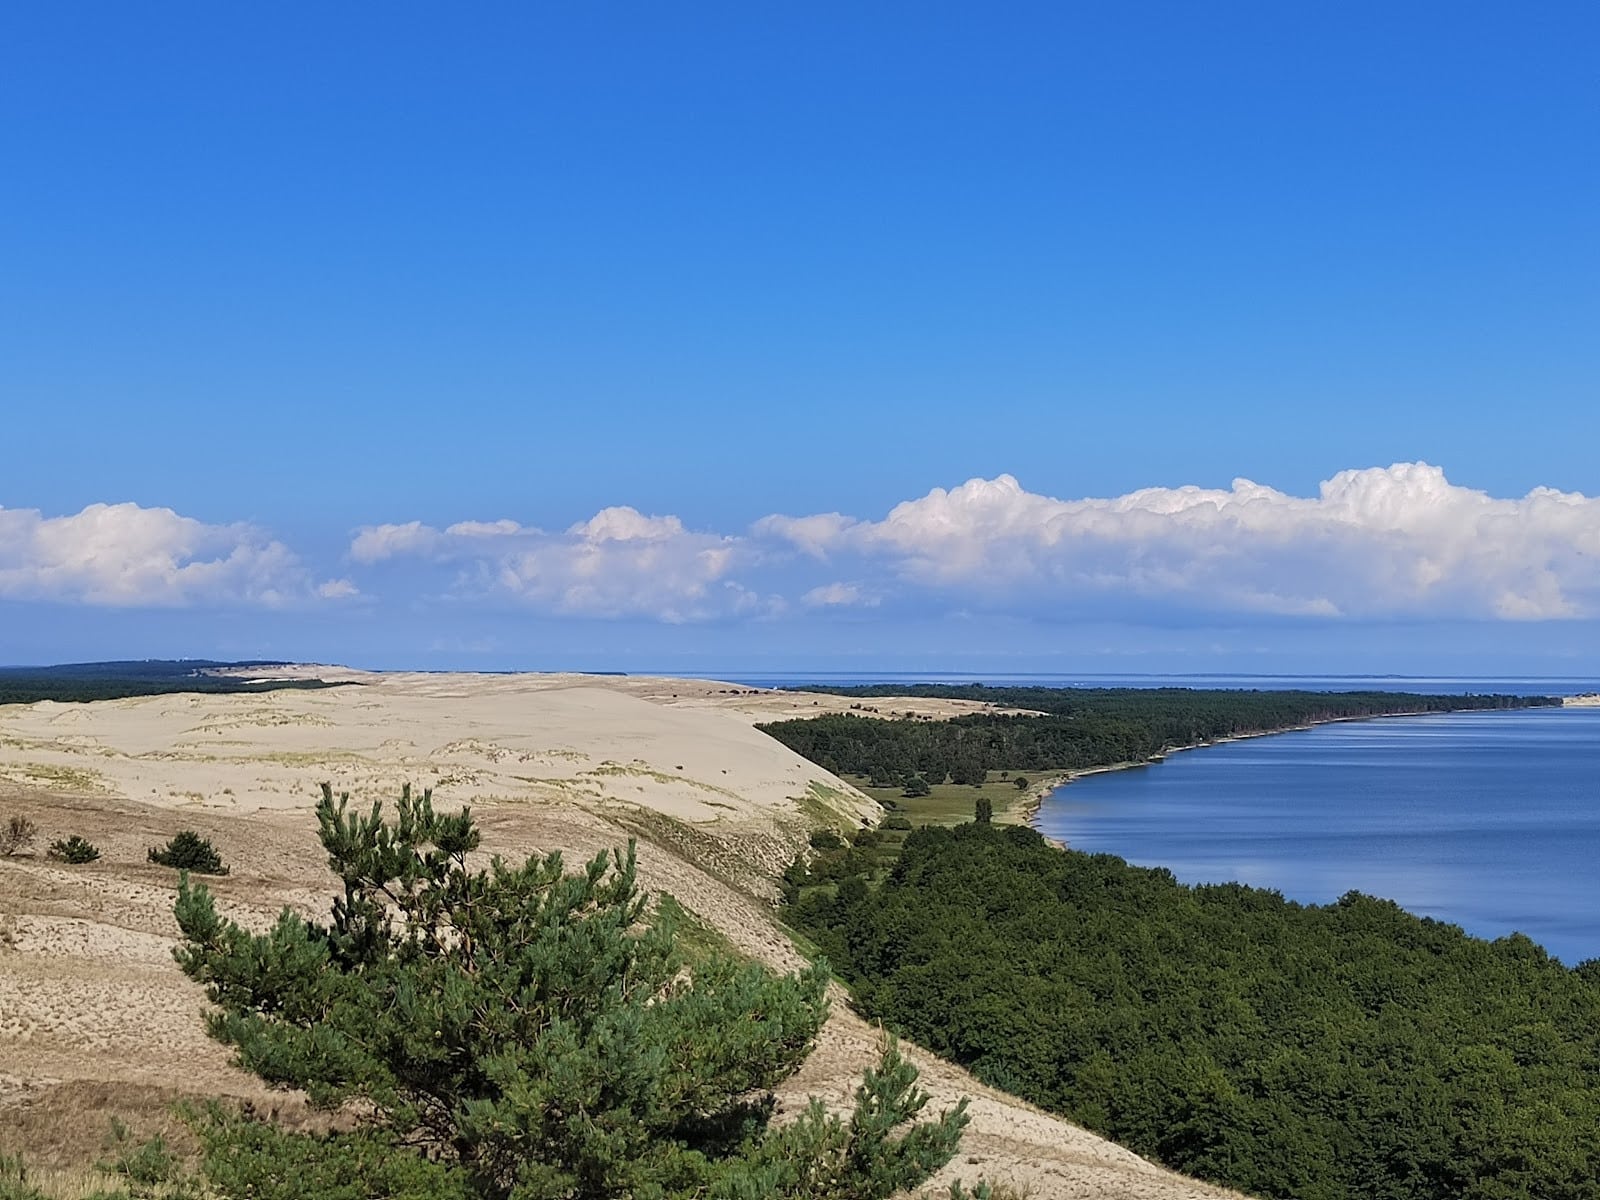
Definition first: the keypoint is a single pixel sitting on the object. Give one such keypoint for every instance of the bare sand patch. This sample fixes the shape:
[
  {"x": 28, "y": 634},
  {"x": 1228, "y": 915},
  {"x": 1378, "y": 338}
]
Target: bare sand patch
[{"x": 751, "y": 704}]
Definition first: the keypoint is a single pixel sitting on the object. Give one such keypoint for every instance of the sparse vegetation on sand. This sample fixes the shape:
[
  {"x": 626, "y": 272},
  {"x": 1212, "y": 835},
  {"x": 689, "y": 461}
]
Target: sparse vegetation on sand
[
  {"x": 14, "y": 1181},
  {"x": 17, "y": 835},
  {"x": 97, "y": 1020}
]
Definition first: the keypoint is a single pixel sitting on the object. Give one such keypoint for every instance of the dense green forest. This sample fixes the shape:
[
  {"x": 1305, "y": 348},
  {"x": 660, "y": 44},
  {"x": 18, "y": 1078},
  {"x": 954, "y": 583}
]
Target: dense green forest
[
  {"x": 80, "y": 682},
  {"x": 1083, "y": 727},
  {"x": 1342, "y": 1052}
]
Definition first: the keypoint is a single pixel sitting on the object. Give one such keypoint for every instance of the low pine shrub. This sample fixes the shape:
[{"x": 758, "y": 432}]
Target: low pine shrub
[
  {"x": 616, "y": 1073},
  {"x": 188, "y": 851},
  {"x": 75, "y": 850}
]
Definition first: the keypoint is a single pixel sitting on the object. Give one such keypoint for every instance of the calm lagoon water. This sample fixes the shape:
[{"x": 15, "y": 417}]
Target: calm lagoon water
[{"x": 1490, "y": 821}]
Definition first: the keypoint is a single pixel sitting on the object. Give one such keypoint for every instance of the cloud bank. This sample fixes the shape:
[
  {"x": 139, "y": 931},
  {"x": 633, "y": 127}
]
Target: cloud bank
[
  {"x": 1395, "y": 542},
  {"x": 1400, "y": 542},
  {"x": 122, "y": 555}
]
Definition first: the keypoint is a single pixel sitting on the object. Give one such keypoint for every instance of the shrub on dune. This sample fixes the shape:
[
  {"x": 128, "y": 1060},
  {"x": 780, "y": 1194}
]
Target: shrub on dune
[
  {"x": 188, "y": 851},
  {"x": 522, "y": 1032},
  {"x": 74, "y": 850}
]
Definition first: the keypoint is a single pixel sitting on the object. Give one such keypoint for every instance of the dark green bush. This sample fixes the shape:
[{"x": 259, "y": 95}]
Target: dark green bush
[
  {"x": 826, "y": 839},
  {"x": 74, "y": 850},
  {"x": 188, "y": 851},
  {"x": 902, "y": 823}
]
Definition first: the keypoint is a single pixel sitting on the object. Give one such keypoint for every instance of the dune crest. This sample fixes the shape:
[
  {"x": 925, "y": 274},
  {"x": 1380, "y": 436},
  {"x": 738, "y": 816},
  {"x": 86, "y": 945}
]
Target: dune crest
[{"x": 586, "y": 741}]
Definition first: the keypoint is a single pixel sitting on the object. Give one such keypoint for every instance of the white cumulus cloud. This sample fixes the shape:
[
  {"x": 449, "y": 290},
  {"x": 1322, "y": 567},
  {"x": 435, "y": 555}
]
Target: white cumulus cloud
[
  {"x": 617, "y": 563},
  {"x": 124, "y": 555},
  {"x": 815, "y": 534},
  {"x": 1395, "y": 541},
  {"x": 376, "y": 543}
]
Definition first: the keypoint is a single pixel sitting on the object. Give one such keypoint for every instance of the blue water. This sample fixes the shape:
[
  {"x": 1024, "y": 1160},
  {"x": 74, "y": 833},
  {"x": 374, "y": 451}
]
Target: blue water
[{"x": 1490, "y": 821}]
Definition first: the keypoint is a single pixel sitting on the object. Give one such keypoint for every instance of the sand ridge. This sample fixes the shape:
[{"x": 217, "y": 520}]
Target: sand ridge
[
  {"x": 751, "y": 704},
  {"x": 588, "y": 740}
]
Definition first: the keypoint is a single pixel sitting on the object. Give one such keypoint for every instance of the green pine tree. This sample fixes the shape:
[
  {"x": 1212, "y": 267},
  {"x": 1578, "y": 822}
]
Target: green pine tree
[{"x": 523, "y": 1033}]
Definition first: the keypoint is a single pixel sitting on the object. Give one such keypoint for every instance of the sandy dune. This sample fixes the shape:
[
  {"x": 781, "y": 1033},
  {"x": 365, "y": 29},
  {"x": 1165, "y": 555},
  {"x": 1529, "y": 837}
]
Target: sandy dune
[
  {"x": 695, "y": 771},
  {"x": 750, "y": 704},
  {"x": 95, "y": 1019}
]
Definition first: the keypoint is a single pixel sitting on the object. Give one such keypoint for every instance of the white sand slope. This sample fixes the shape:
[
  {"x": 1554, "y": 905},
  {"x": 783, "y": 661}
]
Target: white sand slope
[{"x": 547, "y": 739}]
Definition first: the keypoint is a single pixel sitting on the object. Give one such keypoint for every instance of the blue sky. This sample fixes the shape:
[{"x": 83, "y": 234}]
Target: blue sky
[{"x": 311, "y": 299}]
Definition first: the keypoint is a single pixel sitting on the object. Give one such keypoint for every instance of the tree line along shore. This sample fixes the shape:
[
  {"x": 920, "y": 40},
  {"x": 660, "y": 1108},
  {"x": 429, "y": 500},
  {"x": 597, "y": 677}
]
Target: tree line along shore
[
  {"x": 1068, "y": 730},
  {"x": 1332, "y": 1052}
]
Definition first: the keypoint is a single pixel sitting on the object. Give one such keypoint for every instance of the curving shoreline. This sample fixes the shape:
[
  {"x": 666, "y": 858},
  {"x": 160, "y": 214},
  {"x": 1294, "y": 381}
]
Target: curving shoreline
[{"x": 1027, "y": 811}]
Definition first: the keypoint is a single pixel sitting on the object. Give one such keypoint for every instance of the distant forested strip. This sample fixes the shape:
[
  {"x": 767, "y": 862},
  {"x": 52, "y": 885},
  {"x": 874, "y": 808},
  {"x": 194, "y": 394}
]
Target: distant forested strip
[
  {"x": 82, "y": 682},
  {"x": 1345, "y": 1052},
  {"x": 1083, "y": 727},
  {"x": 1232, "y": 703}
]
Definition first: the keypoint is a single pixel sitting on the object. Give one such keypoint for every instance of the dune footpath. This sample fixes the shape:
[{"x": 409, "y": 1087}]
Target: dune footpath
[{"x": 96, "y": 1019}]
